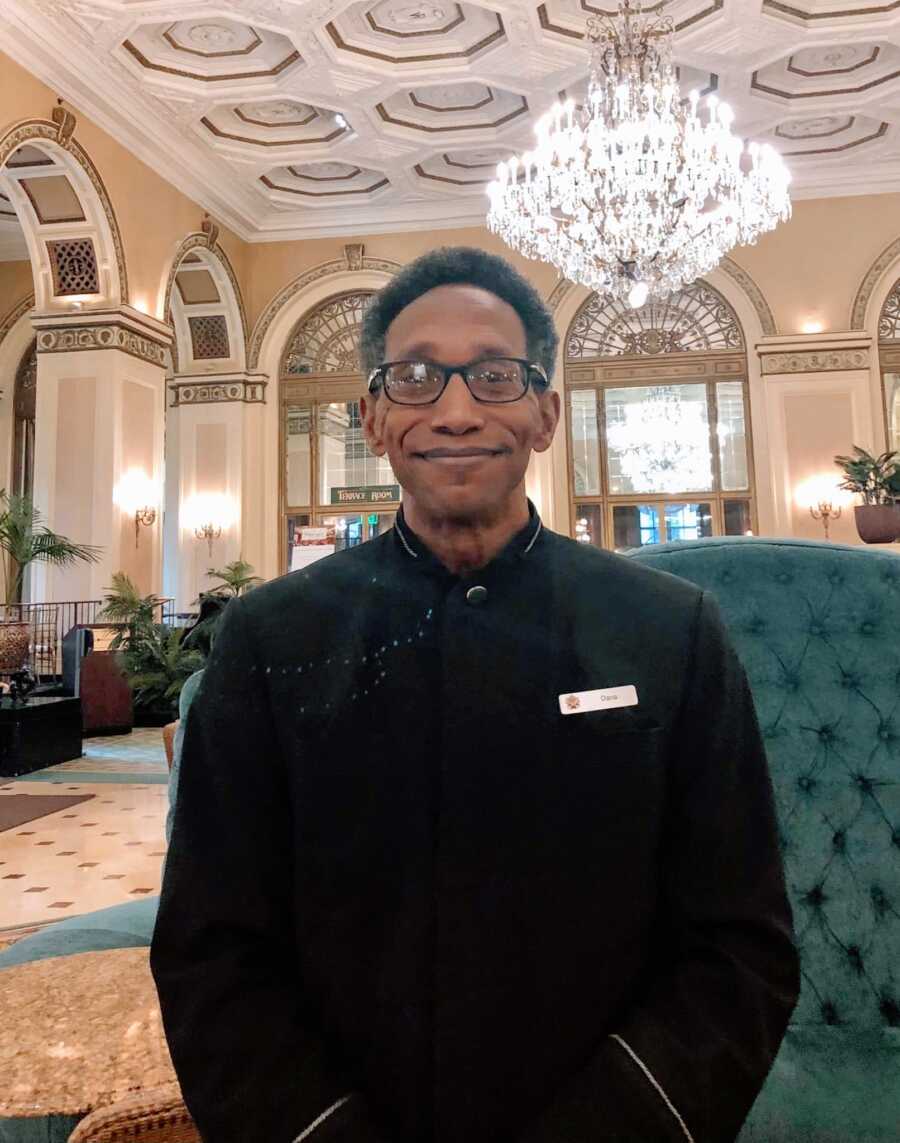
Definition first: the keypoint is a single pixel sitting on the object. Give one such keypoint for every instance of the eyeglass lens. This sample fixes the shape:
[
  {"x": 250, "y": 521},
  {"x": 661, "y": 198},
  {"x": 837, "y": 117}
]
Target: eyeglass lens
[{"x": 419, "y": 382}]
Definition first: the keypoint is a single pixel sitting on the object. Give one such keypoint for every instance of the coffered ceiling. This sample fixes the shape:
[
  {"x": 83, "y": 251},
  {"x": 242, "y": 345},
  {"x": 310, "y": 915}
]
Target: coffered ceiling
[{"x": 291, "y": 118}]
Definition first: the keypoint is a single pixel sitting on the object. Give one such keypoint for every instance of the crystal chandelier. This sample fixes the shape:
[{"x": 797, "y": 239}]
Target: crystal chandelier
[{"x": 638, "y": 192}]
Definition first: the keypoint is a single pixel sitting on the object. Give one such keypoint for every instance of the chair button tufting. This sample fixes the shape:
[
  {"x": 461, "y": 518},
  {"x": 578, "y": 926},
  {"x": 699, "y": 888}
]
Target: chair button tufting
[
  {"x": 784, "y": 577},
  {"x": 815, "y": 629},
  {"x": 867, "y": 628}
]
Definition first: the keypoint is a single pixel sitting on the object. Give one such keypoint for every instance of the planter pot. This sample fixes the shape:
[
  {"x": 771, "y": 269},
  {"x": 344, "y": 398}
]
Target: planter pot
[
  {"x": 878, "y": 523},
  {"x": 15, "y": 638}
]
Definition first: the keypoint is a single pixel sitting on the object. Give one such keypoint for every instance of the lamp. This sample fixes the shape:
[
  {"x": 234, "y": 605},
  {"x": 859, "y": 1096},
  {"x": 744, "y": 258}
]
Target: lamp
[
  {"x": 824, "y": 500},
  {"x": 137, "y": 495},
  {"x": 208, "y": 514}
]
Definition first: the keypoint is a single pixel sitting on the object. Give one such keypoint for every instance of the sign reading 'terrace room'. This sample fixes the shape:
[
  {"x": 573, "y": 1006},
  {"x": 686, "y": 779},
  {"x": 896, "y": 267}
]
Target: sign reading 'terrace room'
[{"x": 366, "y": 494}]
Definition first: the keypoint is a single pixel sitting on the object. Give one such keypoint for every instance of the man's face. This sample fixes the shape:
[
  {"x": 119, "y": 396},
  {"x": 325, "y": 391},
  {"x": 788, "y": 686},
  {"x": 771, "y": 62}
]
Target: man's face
[{"x": 459, "y": 458}]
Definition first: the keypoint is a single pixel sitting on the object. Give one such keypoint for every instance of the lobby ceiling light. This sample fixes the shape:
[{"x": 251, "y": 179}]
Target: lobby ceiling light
[{"x": 638, "y": 192}]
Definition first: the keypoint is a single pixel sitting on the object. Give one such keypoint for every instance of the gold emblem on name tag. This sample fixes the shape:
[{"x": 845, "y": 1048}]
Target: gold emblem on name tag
[{"x": 573, "y": 702}]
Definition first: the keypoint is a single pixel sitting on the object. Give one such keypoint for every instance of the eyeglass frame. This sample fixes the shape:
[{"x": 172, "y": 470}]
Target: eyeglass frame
[{"x": 376, "y": 378}]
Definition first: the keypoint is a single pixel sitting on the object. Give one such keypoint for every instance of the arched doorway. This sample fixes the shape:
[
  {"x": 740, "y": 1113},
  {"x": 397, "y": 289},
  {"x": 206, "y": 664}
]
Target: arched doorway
[
  {"x": 658, "y": 421},
  {"x": 889, "y": 353},
  {"x": 24, "y": 403},
  {"x": 329, "y": 479}
]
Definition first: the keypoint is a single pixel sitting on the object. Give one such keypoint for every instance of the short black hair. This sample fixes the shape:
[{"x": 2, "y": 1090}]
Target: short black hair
[{"x": 459, "y": 265}]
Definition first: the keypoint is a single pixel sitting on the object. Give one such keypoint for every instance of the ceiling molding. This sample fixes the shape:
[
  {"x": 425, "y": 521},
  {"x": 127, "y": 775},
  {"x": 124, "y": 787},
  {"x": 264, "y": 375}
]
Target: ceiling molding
[{"x": 190, "y": 133}]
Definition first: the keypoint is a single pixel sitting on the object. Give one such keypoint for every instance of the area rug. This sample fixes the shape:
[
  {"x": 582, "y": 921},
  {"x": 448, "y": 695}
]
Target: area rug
[{"x": 17, "y": 809}]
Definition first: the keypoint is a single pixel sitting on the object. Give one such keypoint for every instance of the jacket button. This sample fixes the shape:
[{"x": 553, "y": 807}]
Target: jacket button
[{"x": 476, "y": 595}]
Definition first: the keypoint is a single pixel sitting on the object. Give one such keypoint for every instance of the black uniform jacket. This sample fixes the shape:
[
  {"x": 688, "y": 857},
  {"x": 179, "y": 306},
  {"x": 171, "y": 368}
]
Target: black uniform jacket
[{"x": 408, "y": 900}]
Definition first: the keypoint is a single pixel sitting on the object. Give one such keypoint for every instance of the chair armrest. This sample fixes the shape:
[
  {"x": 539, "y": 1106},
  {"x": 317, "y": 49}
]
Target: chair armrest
[
  {"x": 169, "y": 731},
  {"x": 154, "y": 1116}
]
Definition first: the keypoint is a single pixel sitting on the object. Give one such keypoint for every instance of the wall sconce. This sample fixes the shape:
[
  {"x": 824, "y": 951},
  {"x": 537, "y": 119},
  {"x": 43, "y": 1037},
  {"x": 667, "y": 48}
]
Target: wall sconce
[
  {"x": 208, "y": 532},
  {"x": 813, "y": 326},
  {"x": 208, "y": 514},
  {"x": 137, "y": 495},
  {"x": 824, "y": 499}
]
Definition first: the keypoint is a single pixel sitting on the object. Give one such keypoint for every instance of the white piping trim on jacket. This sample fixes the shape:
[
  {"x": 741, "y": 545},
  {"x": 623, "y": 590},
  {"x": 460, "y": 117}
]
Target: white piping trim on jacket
[
  {"x": 415, "y": 556},
  {"x": 640, "y": 1063},
  {"x": 537, "y": 532},
  {"x": 317, "y": 1122}
]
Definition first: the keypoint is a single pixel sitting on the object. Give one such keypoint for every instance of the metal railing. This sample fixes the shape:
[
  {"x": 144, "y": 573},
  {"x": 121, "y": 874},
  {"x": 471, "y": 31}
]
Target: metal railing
[{"x": 50, "y": 622}]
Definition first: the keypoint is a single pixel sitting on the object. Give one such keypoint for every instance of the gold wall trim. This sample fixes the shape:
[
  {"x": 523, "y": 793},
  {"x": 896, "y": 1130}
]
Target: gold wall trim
[
  {"x": 12, "y": 316},
  {"x": 290, "y": 291},
  {"x": 814, "y": 361},
  {"x": 211, "y": 390},
  {"x": 108, "y": 335},
  {"x": 883, "y": 262},
  {"x": 30, "y": 129}
]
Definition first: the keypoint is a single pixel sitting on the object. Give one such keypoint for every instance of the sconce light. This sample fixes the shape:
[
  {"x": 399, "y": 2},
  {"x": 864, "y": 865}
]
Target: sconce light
[
  {"x": 813, "y": 326},
  {"x": 137, "y": 495},
  {"x": 207, "y": 515},
  {"x": 824, "y": 500}
]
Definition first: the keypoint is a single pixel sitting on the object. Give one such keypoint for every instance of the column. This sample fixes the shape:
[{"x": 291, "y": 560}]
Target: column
[
  {"x": 821, "y": 396},
  {"x": 214, "y": 444},
  {"x": 100, "y": 425}
]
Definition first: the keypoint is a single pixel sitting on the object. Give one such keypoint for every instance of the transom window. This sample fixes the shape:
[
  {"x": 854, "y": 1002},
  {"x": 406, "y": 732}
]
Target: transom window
[{"x": 658, "y": 421}]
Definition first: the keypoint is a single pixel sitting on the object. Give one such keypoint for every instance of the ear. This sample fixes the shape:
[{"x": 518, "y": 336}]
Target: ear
[
  {"x": 368, "y": 412},
  {"x": 548, "y": 410}
]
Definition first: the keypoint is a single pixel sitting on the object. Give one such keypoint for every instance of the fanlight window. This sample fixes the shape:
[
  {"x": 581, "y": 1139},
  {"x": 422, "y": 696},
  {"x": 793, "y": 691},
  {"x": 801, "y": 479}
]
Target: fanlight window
[
  {"x": 889, "y": 326},
  {"x": 327, "y": 340},
  {"x": 889, "y": 337},
  {"x": 657, "y": 452},
  {"x": 696, "y": 319}
]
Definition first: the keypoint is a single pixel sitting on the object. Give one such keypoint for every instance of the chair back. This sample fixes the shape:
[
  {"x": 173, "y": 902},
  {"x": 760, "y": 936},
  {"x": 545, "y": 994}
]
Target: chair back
[{"x": 817, "y": 627}]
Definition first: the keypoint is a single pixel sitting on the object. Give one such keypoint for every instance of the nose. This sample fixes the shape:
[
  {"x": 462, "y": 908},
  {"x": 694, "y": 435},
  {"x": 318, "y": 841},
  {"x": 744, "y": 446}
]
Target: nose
[{"x": 457, "y": 411}]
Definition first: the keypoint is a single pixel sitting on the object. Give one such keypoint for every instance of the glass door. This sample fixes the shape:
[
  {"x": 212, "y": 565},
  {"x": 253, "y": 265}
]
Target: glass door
[{"x": 330, "y": 479}]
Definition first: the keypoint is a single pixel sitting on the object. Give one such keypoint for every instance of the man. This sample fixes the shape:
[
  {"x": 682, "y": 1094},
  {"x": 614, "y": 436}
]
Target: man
[{"x": 475, "y": 838}]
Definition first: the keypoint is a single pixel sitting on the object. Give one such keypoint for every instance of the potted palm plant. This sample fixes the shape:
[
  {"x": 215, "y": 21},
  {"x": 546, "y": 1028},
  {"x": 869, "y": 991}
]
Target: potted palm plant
[
  {"x": 235, "y": 579},
  {"x": 24, "y": 539},
  {"x": 156, "y": 661},
  {"x": 877, "y": 480}
]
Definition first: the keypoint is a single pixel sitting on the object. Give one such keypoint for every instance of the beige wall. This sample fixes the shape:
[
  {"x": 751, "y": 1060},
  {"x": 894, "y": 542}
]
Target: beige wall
[
  {"x": 153, "y": 216},
  {"x": 15, "y": 284},
  {"x": 809, "y": 269}
]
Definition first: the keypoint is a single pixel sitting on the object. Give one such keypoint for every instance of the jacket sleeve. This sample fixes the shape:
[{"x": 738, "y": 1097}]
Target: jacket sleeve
[
  {"x": 689, "y": 1056},
  {"x": 252, "y": 1065}
]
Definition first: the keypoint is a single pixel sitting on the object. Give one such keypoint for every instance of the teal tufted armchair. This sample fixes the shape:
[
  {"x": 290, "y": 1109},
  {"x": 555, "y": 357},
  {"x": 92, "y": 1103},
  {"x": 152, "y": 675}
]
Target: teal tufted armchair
[{"x": 818, "y": 629}]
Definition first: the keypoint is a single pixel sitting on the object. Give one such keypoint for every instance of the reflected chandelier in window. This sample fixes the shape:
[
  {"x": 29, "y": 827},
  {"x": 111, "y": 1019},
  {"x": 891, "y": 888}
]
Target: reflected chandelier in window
[
  {"x": 327, "y": 339},
  {"x": 696, "y": 319}
]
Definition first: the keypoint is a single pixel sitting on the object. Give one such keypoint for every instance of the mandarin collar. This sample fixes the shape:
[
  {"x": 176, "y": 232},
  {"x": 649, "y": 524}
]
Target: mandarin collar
[{"x": 415, "y": 549}]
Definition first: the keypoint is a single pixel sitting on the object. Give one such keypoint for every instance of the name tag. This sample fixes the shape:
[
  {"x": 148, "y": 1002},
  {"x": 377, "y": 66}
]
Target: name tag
[{"x": 583, "y": 701}]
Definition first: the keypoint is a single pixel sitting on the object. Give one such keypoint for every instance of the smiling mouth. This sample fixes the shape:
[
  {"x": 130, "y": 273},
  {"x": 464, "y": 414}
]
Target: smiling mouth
[{"x": 459, "y": 453}]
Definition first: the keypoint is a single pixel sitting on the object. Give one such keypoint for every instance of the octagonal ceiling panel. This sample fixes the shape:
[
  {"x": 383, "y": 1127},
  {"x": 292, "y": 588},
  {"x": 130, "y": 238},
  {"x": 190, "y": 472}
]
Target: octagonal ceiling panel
[
  {"x": 210, "y": 50},
  {"x": 568, "y": 17},
  {"x": 323, "y": 184},
  {"x": 449, "y": 108},
  {"x": 835, "y": 71},
  {"x": 403, "y": 32},
  {"x": 280, "y": 123},
  {"x": 820, "y": 14},
  {"x": 832, "y": 135},
  {"x": 467, "y": 169},
  {"x": 434, "y": 92}
]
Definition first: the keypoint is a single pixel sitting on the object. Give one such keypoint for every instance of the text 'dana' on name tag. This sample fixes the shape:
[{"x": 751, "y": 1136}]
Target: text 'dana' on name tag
[{"x": 581, "y": 702}]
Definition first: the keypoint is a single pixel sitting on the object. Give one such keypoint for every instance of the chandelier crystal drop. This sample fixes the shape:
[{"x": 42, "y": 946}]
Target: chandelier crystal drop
[{"x": 639, "y": 191}]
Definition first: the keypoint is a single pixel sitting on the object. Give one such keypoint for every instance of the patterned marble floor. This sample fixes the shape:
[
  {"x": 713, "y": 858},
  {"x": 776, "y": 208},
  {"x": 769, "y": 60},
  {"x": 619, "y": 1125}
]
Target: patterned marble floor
[{"x": 97, "y": 853}]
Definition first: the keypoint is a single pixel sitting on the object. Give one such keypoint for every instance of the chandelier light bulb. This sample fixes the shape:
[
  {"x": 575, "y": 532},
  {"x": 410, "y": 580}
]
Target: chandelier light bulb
[
  {"x": 636, "y": 186},
  {"x": 640, "y": 291}
]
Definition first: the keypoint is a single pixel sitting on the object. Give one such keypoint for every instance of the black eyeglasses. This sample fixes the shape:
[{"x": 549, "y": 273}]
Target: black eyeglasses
[{"x": 491, "y": 380}]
